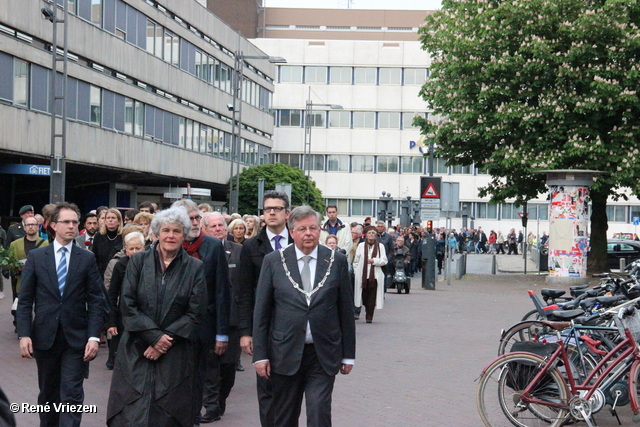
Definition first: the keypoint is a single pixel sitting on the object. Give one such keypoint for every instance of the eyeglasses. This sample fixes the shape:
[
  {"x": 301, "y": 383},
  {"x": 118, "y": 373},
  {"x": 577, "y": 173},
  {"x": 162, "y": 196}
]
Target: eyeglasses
[
  {"x": 195, "y": 218},
  {"x": 31, "y": 225},
  {"x": 312, "y": 229},
  {"x": 276, "y": 209},
  {"x": 68, "y": 222}
]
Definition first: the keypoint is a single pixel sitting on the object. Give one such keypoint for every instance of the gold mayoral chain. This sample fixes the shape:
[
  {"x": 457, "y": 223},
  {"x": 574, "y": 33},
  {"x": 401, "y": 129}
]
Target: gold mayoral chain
[{"x": 296, "y": 286}]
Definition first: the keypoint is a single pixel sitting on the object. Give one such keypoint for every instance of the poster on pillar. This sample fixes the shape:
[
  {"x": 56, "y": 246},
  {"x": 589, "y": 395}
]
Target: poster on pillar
[{"x": 568, "y": 233}]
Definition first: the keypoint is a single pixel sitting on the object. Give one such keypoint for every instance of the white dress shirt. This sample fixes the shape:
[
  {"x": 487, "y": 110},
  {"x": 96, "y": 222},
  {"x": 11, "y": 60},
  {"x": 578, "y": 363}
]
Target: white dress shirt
[{"x": 284, "y": 242}]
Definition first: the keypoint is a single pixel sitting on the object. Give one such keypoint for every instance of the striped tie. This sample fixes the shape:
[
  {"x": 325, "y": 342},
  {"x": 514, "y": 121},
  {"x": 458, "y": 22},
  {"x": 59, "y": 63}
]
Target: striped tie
[{"x": 62, "y": 270}]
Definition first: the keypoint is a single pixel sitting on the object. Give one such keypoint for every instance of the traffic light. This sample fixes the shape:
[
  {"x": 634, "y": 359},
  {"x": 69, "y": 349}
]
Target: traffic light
[{"x": 429, "y": 227}]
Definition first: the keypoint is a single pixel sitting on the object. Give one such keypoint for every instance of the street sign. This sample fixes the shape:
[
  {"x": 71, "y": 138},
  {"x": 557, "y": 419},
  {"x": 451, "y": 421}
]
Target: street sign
[
  {"x": 430, "y": 187},
  {"x": 429, "y": 214},
  {"x": 636, "y": 220},
  {"x": 429, "y": 203},
  {"x": 26, "y": 169}
]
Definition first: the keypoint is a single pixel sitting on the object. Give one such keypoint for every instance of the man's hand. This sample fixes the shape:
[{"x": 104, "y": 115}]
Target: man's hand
[
  {"x": 221, "y": 347},
  {"x": 26, "y": 347},
  {"x": 345, "y": 369},
  {"x": 152, "y": 354},
  {"x": 163, "y": 344},
  {"x": 263, "y": 369},
  {"x": 91, "y": 350},
  {"x": 113, "y": 330},
  {"x": 246, "y": 343}
]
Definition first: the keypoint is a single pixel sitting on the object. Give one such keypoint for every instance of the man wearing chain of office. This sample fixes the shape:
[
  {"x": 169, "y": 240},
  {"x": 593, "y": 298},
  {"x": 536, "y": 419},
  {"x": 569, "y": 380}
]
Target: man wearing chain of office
[{"x": 304, "y": 328}]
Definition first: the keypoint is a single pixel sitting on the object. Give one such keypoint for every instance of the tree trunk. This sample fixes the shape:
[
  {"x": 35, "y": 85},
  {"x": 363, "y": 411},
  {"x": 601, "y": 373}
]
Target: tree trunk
[{"x": 597, "y": 260}]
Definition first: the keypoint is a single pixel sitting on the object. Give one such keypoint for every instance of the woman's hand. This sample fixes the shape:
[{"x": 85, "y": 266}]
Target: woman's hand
[
  {"x": 152, "y": 354},
  {"x": 163, "y": 344}
]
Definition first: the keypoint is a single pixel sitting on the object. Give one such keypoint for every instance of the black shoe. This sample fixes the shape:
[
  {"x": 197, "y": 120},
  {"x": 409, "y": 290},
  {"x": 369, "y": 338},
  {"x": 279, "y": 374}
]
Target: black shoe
[
  {"x": 209, "y": 417},
  {"x": 239, "y": 367}
]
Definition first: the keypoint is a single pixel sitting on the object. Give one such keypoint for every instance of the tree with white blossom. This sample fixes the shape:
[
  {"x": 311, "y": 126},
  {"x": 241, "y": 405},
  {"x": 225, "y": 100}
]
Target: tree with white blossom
[{"x": 531, "y": 85}]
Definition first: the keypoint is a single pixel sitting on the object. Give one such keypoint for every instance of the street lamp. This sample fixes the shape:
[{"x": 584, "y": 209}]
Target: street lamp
[
  {"x": 306, "y": 158},
  {"x": 236, "y": 118}
]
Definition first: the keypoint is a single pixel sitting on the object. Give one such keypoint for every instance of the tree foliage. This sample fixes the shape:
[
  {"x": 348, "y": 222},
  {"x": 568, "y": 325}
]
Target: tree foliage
[
  {"x": 531, "y": 85},
  {"x": 273, "y": 174}
]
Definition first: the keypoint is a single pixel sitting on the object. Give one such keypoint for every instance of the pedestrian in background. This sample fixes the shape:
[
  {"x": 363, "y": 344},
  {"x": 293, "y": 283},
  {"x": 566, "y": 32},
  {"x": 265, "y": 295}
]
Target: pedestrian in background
[
  {"x": 370, "y": 257},
  {"x": 109, "y": 241}
]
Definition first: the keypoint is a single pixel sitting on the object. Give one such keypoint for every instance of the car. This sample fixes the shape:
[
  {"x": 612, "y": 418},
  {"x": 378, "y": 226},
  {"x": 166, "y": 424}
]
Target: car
[{"x": 622, "y": 248}]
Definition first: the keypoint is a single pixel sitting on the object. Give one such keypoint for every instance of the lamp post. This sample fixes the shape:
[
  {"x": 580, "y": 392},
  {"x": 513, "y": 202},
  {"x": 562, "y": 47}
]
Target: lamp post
[
  {"x": 306, "y": 158},
  {"x": 236, "y": 118},
  {"x": 57, "y": 180}
]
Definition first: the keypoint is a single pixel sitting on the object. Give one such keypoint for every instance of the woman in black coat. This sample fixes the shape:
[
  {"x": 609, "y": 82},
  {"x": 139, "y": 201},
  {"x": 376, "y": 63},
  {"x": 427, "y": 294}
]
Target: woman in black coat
[{"x": 109, "y": 241}]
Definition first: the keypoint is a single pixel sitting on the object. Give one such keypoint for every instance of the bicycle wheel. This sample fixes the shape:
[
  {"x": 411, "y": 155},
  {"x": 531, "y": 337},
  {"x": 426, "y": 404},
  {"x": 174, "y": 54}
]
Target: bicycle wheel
[
  {"x": 500, "y": 388},
  {"x": 532, "y": 315},
  {"x": 530, "y": 330}
]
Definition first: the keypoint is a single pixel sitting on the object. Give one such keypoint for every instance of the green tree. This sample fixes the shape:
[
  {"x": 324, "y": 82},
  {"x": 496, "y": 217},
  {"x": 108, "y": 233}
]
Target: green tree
[
  {"x": 273, "y": 174},
  {"x": 530, "y": 85}
]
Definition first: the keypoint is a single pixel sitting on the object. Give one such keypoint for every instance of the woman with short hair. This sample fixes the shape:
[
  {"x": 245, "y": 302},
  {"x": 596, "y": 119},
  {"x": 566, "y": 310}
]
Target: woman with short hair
[
  {"x": 238, "y": 230},
  {"x": 163, "y": 304}
]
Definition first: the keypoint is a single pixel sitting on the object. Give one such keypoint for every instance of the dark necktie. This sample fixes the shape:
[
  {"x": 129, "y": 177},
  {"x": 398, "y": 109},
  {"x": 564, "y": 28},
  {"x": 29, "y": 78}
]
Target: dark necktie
[
  {"x": 277, "y": 239},
  {"x": 62, "y": 270}
]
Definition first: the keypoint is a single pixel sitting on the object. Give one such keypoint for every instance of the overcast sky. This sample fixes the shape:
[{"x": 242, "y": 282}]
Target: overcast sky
[{"x": 357, "y": 4}]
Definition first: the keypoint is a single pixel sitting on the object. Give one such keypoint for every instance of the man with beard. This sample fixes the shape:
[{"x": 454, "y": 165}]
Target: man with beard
[
  {"x": 214, "y": 333},
  {"x": 85, "y": 240},
  {"x": 221, "y": 372}
]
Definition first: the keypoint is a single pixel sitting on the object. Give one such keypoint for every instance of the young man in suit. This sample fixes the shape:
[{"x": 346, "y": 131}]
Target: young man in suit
[
  {"x": 61, "y": 284},
  {"x": 304, "y": 328},
  {"x": 273, "y": 236}
]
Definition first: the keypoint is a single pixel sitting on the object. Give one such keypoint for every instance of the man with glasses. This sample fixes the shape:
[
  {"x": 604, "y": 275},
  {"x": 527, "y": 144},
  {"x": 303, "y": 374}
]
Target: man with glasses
[
  {"x": 214, "y": 332},
  {"x": 273, "y": 236},
  {"x": 62, "y": 287}
]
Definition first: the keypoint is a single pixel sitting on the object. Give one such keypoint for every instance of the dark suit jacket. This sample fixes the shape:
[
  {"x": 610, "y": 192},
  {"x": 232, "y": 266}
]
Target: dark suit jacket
[
  {"x": 253, "y": 252},
  {"x": 232, "y": 252},
  {"x": 80, "y": 310},
  {"x": 216, "y": 273},
  {"x": 282, "y": 313}
]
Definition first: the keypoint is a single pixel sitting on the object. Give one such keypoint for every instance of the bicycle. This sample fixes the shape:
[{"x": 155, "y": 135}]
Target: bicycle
[{"x": 541, "y": 390}]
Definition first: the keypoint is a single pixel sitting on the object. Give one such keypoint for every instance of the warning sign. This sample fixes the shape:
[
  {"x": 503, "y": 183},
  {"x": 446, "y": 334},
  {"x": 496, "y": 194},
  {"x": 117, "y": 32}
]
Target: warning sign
[{"x": 430, "y": 193}]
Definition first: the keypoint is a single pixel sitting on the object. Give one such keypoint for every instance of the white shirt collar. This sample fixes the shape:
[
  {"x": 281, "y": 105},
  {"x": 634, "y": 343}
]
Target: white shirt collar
[
  {"x": 300, "y": 254},
  {"x": 57, "y": 246},
  {"x": 285, "y": 236}
]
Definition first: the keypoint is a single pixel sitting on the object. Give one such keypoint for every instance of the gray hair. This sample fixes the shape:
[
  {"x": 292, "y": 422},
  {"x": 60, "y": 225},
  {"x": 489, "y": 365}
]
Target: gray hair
[
  {"x": 188, "y": 204},
  {"x": 133, "y": 235},
  {"x": 205, "y": 218},
  {"x": 277, "y": 195},
  {"x": 302, "y": 212},
  {"x": 174, "y": 215},
  {"x": 235, "y": 222}
]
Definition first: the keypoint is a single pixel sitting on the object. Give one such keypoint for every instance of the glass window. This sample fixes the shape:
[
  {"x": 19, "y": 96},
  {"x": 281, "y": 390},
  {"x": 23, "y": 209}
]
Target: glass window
[
  {"x": 315, "y": 75},
  {"x": 96, "y": 104},
  {"x": 532, "y": 210},
  {"x": 139, "y": 124},
  {"x": 362, "y": 163},
  {"x": 340, "y": 75},
  {"x": 317, "y": 162},
  {"x": 290, "y": 118},
  {"x": 390, "y": 76},
  {"x": 362, "y": 207},
  {"x": 151, "y": 33},
  {"x": 341, "y": 204},
  {"x": 339, "y": 119},
  {"x": 464, "y": 170},
  {"x": 182, "y": 132},
  {"x": 168, "y": 46},
  {"x": 199, "y": 72},
  {"x": 415, "y": 76},
  {"x": 336, "y": 163},
  {"x": 290, "y": 74},
  {"x": 317, "y": 118},
  {"x": 616, "y": 213},
  {"x": 128, "y": 115},
  {"x": 543, "y": 212},
  {"x": 121, "y": 19},
  {"x": 96, "y": 12},
  {"x": 364, "y": 120},
  {"x": 365, "y": 76},
  {"x": 388, "y": 120},
  {"x": 292, "y": 160},
  {"x": 71, "y": 6},
  {"x": 196, "y": 136},
  {"x": 387, "y": 164},
  {"x": 412, "y": 164},
  {"x": 20, "y": 82},
  {"x": 440, "y": 165},
  {"x": 508, "y": 211},
  {"x": 486, "y": 210},
  {"x": 407, "y": 120}
]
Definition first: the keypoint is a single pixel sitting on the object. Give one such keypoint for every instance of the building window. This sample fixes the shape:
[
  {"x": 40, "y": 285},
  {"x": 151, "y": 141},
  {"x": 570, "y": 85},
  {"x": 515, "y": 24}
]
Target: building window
[
  {"x": 387, "y": 164},
  {"x": 415, "y": 76},
  {"x": 364, "y": 120},
  {"x": 317, "y": 118},
  {"x": 440, "y": 165},
  {"x": 365, "y": 76},
  {"x": 139, "y": 119},
  {"x": 292, "y": 160},
  {"x": 96, "y": 104},
  {"x": 290, "y": 118},
  {"x": 290, "y": 74},
  {"x": 462, "y": 170},
  {"x": 341, "y": 204},
  {"x": 96, "y": 12},
  {"x": 315, "y": 75},
  {"x": 390, "y": 76},
  {"x": 412, "y": 164},
  {"x": 407, "y": 120},
  {"x": 121, "y": 19},
  {"x": 486, "y": 210},
  {"x": 616, "y": 213},
  {"x": 388, "y": 120},
  {"x": 362, "y": 164},
  {"x": 339, "y": 119},
  {"x": 129, "y": 114},
  {"x": 543, "y": 212},
  {"x": 340, "y": 75},
  {"x": 336, "y": 163},
  {"x": 362, "y": 207},
  {"x": 317, "y": 162},
  {"x": 20, "y": 82}
]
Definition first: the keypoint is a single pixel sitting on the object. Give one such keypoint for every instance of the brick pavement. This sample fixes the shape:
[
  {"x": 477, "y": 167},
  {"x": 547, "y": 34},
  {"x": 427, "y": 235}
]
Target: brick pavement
[{"x": 416, "y": 364}]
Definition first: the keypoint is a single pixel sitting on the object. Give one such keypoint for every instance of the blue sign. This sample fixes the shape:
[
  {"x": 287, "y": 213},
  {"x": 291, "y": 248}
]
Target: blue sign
[
  {"x": 636, "y": 220},
  {"x": 22, "y": 169}
]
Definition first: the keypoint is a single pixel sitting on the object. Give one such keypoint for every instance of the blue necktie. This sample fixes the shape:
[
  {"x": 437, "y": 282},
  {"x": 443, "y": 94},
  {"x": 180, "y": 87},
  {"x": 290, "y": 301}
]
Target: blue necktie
[
  {"x": 277, "y": 239},
  {"x": 62, "y": 270}
]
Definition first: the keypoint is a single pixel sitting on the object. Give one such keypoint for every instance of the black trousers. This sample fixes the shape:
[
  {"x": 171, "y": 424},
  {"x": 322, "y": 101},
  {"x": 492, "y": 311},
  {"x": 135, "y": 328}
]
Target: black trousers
[
  {"x": 61, "y": 372},
  {"x": 369, "y": 300},
  {"x": 265, "y": 401},
  {"x": 221, "y": 375},
  {"x": 310, "y": 381}
]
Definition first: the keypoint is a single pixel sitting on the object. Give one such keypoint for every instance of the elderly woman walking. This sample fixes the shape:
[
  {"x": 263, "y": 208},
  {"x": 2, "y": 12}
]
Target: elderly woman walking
[
  {"x": 163, "y": 302},
  {"x": 369, "y": 278}
]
